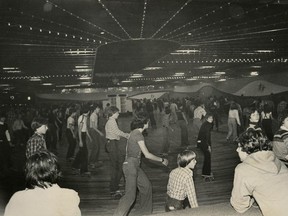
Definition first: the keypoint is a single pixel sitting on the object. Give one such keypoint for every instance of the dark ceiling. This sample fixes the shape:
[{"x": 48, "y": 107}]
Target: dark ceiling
[{"x": 62, "y": 44}]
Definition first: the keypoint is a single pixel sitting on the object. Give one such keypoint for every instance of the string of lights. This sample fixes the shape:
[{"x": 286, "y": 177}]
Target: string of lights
[
  {"x": 83, "y": 20},
  {"x": 208, "y": 35},
  {"x": 192, "y": 22},
  {"x": 171, "y": 18},
  {"x": 113, "y": 17},
  {"x": 210, "y": 24},
  {"x": 143, "y": 18},
  {"x": 60, "y": 25}
]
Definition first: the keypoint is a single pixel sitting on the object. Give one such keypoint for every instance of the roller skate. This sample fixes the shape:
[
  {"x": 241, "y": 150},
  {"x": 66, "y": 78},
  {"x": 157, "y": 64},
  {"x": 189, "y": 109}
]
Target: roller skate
[{"x": 207, "y": 178}]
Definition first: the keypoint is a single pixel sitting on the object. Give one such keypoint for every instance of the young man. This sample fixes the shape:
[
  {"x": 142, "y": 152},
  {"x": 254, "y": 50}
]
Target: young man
[
  {"x": 261, "y": 177},
  {"x": 37, "y": 141},
  {"x": 81, "y": 159},
  {"x": 113, "y": 134},
  {"x": 181, "y": 184},
  {"x": 96, "y": 135}
]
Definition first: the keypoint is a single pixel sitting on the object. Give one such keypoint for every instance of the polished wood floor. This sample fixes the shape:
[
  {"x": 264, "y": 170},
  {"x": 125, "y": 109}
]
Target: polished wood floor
[{"x": 94, "y": 190}]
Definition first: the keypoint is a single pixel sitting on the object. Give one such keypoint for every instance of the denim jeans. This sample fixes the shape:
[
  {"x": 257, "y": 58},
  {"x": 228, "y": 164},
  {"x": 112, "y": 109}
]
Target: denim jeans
[
  {"x": 71, "y": 144},
  {"x": 94, "y": 146},
  {"x": 112, "y": 147},
  {"x": 135, "y": 178},
  {"x": 81, "y": 159}
]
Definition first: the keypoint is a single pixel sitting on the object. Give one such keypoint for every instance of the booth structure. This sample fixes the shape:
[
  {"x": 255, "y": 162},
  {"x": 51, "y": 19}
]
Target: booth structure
[{"x": 120, "y": 101}]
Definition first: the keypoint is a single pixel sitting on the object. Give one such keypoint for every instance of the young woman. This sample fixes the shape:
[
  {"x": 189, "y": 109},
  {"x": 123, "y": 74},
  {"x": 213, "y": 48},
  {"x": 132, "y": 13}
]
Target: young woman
[
  {"x": 43, "y": 196},
  {"x": 134, "y": 175},
  {"x": 181, "y": 184}
]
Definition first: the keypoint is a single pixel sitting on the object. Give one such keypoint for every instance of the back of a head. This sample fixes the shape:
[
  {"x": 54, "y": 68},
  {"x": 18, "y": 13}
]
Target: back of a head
[
  {"x": 38, "y": 122},
  {"x": 111, "y": 110},
  {"x": 138, "y": 122},
  {"x": 185, "y": 157},
  {"x": 42, "y": 170},
  {"x": 252, "y": 141},
  {"x": 85, "y": 109}
]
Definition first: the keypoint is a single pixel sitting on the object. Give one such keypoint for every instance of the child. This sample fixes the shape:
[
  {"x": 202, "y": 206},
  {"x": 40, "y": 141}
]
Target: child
[
  {"x": 37, "y": 141},
  {"x": 181, "y": 184}
]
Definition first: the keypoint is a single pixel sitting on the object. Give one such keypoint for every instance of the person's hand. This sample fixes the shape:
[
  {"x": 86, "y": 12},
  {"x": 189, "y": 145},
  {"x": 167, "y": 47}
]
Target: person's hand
[
  {"x": 165, "y": 162},
  {"x": 101, "y": 134},
  {"x": 80, "y": 143}
]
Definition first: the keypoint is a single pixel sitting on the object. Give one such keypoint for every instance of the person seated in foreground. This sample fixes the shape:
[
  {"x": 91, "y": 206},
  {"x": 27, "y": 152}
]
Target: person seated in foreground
[
  {"x": 43, "y": 196},
  {"x": 280, "y": 140},
  {"x": 261, "y": 177},
  {"x": 181, "y": 185}
]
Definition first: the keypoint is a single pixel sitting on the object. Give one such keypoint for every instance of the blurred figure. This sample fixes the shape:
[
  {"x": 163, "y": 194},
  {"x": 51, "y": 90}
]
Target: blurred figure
[
  {"x": 180, "y": 184},
  {"x": 280, "y": 140},
  {"x": 261, "y": 177},
  {"x": 5, "y": 145},
  {"x": 233, "y": 121},
  {"x": 43, "y": 196},
  {"x": 71, "y": 134}
]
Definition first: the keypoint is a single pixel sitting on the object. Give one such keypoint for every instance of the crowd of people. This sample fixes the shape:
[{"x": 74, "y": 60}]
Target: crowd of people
[{"x": 258, "y": 127}]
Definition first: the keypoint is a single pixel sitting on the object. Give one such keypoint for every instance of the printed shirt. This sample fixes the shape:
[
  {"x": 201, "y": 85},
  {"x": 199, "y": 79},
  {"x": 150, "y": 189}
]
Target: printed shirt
[
  {"x": 112, "y": 130},
  {"x": 34, "y": 144},
  {"x": 181, "y": 185}
]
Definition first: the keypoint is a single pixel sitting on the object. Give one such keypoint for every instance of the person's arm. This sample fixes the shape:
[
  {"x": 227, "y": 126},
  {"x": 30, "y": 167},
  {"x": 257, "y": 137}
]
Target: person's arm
[
  {"x": 8, "y": 137},
  {"x": 114, "y": 128},
  {"x": 237, "y": 117},
  {"x": 79, "y": 134},
  {"x": 149, "y": 155},
  {"x": 184, "y": 117},
  {"x": 95, "y": 127},
  {"x": 241, "y": 197}
]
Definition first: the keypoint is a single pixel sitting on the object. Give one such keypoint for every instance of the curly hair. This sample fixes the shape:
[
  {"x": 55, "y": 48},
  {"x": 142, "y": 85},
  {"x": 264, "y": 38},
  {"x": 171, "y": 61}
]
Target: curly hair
[{"x": 252, "y": 141}]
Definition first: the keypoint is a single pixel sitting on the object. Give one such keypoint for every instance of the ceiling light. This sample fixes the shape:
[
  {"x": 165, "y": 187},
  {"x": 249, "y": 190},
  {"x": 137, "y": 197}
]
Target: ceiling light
[
  {"x": 222, "y": 80},
  {"x": 264, "y": 51},
  {"x": 191, "y": 79},
  {"x": 152, "y": 68},
  {"x": 220, "y": 73},
  {"x": 179, "y": 74},
  {"x": 83, "y": 70},
  {"x": 254, "y": 73},
  {"x": 33, "y": 79},
  {"x": 127, "y": 81},
  {"x": 47, "y": 84},
  {"x": 206, "y": 67},
  {"x": 159, "y": 80},
  {"x": 256, "y": 66},
  {"x": 84, "y": 78}
]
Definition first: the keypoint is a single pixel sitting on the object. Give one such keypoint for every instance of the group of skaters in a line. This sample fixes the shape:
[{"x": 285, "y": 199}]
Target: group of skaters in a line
[{"x": 261, "y": 177}]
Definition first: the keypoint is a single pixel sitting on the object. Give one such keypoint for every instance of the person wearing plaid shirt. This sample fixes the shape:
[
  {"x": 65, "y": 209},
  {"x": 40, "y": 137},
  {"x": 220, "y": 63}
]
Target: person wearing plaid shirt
[
  {"x": 37, "y": 141},
  {"x": 180, "y": 184}
]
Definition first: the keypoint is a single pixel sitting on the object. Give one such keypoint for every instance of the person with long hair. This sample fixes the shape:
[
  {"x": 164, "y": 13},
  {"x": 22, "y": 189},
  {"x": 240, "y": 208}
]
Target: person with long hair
[
  {"x": 134, "y": 175},
  {"x": 280, "y": 140},
  {"x": 181, "y": 184},
  {"x": 43, "y": 196}
]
